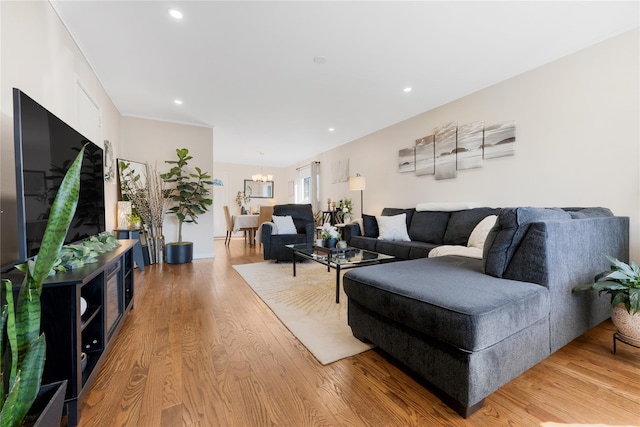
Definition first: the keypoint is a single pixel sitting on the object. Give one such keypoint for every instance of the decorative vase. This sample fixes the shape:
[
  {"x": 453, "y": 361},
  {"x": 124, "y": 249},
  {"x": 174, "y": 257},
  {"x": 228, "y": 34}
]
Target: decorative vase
[
  {"x": 346, "y": 218},
  {"x": 329, "y": 243},
  {"x": 159, "y": 249},
  {"x": 626, "y": 324},
  {"x": 342, "y": 244},
  {"x": 151, "y": 247}
]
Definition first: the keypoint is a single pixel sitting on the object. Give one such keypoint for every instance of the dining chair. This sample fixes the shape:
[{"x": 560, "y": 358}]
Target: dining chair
[
  {"x": 227, "y": 217},
  {"x": 265, "y": 215}
]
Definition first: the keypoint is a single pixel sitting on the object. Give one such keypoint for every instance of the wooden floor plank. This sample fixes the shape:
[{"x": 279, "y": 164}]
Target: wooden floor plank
[{"x": 201, "y": 349}]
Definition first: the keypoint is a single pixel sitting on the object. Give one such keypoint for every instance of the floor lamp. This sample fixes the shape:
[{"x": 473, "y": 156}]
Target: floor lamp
[{"x": 358, "y": 183}]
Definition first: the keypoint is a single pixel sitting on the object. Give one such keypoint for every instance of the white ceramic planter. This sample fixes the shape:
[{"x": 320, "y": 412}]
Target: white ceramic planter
[{"x": 625, "y": 323}]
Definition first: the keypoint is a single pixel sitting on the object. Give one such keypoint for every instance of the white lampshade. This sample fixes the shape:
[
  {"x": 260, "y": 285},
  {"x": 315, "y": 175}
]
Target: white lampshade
[{"x": 357, "y": 183}]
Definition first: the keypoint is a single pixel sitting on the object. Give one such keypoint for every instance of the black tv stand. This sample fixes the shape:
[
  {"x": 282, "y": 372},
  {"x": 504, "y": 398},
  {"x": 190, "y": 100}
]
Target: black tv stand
[{"x": 108, "y": 288}]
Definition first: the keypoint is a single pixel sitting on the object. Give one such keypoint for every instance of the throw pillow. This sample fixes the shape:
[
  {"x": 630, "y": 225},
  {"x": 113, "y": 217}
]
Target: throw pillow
[
  {"x": 360, "y": 226},
  {"x": 480, "y": 232},
  {"x": 370, "y": 225},
  {"x": 511, "y": 227},
  {"x": 464, "y": 251},
  {"x": 393, "y": 228},
  {"x": 285, "y": 224}
]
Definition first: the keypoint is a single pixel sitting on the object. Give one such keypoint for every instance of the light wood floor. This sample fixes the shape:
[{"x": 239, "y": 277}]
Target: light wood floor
[{"x": 201, "y": 349}]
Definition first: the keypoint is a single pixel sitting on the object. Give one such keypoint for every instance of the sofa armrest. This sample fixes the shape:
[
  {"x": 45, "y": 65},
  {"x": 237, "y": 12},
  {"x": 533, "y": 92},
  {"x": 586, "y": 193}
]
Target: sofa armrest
[
  {"x": 561, "y": 254},
  {"x": 310, "y": 231},
  {"x": 266, "y": 232},
  {"x": 349, "y": 231}
]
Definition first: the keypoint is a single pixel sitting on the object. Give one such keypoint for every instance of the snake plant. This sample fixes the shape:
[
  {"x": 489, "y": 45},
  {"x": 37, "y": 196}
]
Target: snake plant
[{"x": 23, "y": 366}]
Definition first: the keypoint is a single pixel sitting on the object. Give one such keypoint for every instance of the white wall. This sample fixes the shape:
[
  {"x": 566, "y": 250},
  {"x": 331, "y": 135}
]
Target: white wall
[
  {"x": 39, "y": 57},
  {"x": 237, "y": 174},
  {"x": 577, "y": 142},
  {"x": 153, "y": 142}
]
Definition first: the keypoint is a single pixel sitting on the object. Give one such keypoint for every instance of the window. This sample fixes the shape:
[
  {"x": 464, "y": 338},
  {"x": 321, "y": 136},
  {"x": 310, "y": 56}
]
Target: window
[{"x": 307, "y": 187}]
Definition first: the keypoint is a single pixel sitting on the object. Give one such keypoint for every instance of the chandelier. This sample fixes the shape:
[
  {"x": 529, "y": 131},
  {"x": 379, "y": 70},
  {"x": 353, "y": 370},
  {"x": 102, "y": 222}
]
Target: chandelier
[{"x": 261, "y": 176}]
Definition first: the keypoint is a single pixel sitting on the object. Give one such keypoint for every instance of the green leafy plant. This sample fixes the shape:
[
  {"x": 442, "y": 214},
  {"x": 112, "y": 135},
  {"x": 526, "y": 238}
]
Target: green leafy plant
[
  {"x": 329, "y": 232},
  {"x": 345, "y": 206},
  {"x": 622, "y": 282},
  {"x": 191, "y": 190},
  {"x": 24, "y": 345},
  {"x": 242, "y": 198},
  {"x": 134, "y": 219},
  {"x": 85, "y": 252}
]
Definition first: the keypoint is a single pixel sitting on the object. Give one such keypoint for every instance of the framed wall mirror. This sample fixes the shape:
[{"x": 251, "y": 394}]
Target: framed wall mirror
[{"x": 258, "y": 189}]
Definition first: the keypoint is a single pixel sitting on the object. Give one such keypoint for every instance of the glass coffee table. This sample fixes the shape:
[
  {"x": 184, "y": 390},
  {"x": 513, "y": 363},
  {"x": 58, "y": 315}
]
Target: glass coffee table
[{"x": 338, "y": 259}]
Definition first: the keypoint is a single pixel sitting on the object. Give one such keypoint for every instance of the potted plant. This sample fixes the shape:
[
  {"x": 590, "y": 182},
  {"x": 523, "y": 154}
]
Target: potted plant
[
  {"x": 23, "y": 347},
  {"x": 330, "y": 235},
  {"x": 242, "y": 200},
  {"x": 190, "y": 194},
  {"x": 622, "y": 282},
  {"x": 345, "y": 209}
]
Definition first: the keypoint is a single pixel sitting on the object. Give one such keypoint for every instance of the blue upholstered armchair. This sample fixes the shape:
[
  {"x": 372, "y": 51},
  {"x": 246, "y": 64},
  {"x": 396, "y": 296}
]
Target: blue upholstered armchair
[{"x": 274, "y": 244}]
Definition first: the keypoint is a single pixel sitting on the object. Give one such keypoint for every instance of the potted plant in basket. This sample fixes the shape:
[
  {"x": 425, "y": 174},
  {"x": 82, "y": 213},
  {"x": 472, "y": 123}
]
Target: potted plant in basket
[
  {"x": 23, "y": 347},
  {"x": 622, "y": 282},
  {"x": 190, "y": 195}
]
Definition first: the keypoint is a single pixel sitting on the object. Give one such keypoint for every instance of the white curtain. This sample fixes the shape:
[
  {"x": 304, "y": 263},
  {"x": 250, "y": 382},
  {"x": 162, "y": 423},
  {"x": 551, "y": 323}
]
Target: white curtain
[{"x": 307, "y": 189}]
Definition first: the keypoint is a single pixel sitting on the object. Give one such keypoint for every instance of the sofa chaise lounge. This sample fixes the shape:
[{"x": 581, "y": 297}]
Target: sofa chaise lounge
[{"x": 468, "y": 326}]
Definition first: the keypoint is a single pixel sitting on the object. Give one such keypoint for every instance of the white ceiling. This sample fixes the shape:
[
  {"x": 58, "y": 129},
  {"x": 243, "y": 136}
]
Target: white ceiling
[{"x": 247, "y": 69}]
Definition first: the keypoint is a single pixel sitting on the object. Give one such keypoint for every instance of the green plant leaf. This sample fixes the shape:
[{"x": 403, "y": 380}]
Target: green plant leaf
[
  {"x": 8, "y": 415},
  {"x": 618, "y": 298},
  {"x": 30, "y": 376},
  {"x": 11, "y": 331},
  {"x": 62, "y": 211},
  {"x": 620, "y": 275},
  {"x": 634, "y": 301},
  {"x": 3, "y": 322}
]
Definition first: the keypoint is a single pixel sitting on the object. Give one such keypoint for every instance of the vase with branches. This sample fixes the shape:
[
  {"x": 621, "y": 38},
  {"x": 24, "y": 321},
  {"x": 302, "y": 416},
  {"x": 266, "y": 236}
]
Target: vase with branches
[
  {"x": 149, "y": 198},
  {"x": 158, "y": 204}
]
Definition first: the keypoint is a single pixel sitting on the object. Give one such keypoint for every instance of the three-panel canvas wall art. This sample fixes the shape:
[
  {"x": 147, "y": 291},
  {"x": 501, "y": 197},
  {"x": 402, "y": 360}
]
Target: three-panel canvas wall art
[{"x": 452, "y": 148}]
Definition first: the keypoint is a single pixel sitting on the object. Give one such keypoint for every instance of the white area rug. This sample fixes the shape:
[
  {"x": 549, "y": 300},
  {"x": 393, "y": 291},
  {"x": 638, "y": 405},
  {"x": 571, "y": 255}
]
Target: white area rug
[{"x": 306, "y": 305}]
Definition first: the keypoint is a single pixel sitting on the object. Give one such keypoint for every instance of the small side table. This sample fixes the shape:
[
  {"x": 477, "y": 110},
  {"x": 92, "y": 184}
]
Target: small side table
[{"x": 132, "y": 233}]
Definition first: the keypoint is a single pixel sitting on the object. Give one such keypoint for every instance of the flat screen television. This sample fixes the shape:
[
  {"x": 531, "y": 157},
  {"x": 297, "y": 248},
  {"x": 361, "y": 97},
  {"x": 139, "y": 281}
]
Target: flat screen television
[{"x": 45, "y": 147}]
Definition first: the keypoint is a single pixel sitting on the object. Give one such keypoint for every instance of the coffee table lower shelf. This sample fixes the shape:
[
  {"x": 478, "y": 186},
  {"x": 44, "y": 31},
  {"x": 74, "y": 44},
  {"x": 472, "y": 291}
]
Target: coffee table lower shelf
[{"x": 338, "y": 259}]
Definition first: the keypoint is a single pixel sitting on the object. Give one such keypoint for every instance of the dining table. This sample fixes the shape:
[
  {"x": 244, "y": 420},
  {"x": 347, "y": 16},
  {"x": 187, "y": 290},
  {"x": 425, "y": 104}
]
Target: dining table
[{"x": 246, "y": 223}]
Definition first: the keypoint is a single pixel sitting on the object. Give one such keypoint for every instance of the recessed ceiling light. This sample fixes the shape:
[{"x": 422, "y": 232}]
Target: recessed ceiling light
[
  {"x": 319, "y": 59},
  {"x": 407, "y": 89},
  {"x": 177, "y": 101},
  {"x": 175, "y": 13},
  {"x": 331, "y": 129}
]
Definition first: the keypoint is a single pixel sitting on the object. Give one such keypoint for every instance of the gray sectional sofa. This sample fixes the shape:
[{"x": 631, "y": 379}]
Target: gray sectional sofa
[
  {"x": 426, "y": 229},
  {"x": 468, "y": 326}
]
